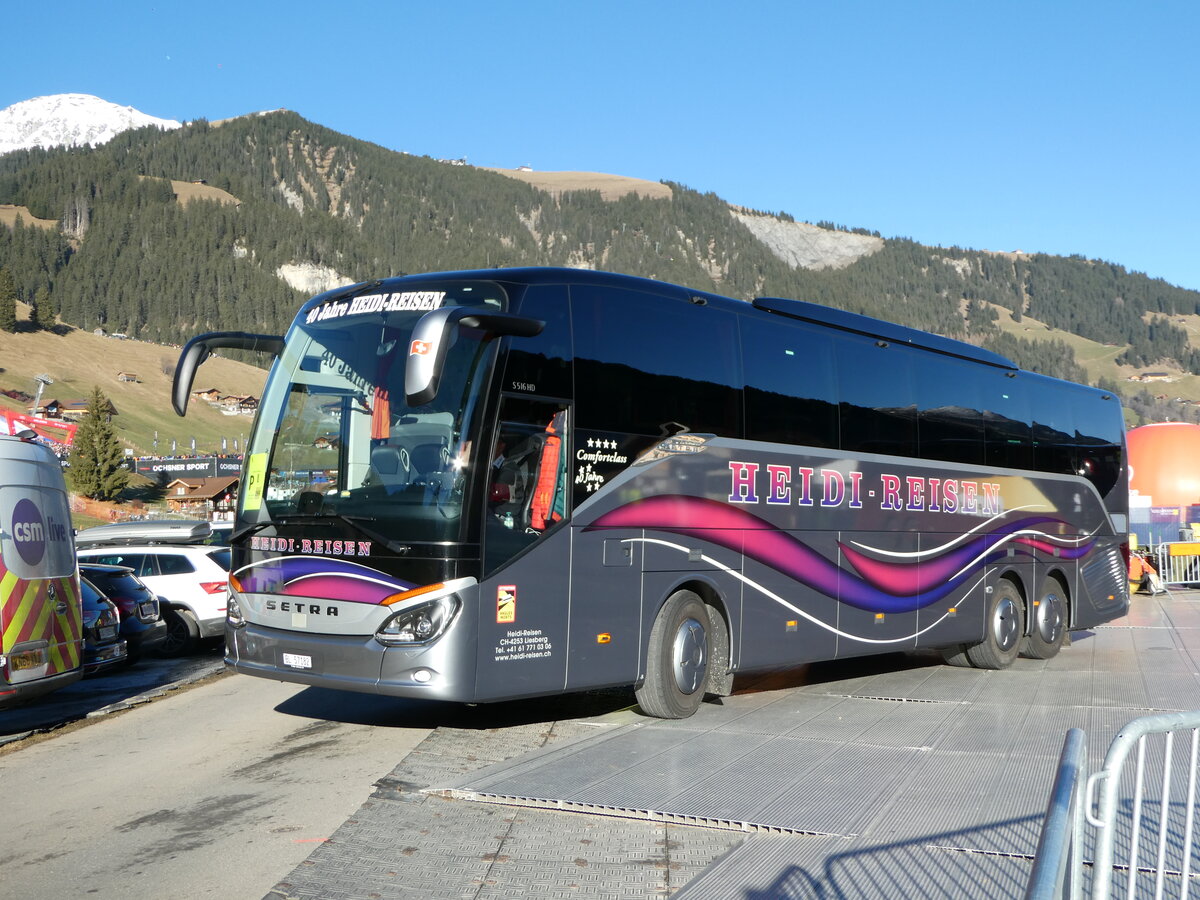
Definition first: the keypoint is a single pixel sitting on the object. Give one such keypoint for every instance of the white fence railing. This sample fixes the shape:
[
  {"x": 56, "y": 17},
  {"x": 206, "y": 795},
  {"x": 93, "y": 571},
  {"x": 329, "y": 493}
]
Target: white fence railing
[
  {"x": 1139, "y": 818},
  {"x": 1178, "y": 562}
]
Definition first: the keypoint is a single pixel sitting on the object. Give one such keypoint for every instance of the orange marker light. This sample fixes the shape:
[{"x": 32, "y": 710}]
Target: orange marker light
[{"x": 415, "y": 592}]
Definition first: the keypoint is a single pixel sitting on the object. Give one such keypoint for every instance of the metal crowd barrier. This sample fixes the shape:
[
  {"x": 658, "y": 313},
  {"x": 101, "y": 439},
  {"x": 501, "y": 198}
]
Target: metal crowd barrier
[
  {"x": 1179, "y": 562},
  {"x": 1141, "y": 820}
]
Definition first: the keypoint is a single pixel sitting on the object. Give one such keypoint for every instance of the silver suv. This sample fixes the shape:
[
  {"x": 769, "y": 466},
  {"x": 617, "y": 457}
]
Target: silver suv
[{"x": 193, "y": 578}]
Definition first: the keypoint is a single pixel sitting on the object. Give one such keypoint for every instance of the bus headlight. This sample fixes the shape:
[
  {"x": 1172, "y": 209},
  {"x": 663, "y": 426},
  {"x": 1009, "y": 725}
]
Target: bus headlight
[
  {"x": 419, "y": 624},
  {"x": 233, "y": 613}
]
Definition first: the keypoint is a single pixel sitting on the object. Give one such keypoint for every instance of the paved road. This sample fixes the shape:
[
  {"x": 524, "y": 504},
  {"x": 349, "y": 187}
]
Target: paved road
[{"x": 218, "y": 790}]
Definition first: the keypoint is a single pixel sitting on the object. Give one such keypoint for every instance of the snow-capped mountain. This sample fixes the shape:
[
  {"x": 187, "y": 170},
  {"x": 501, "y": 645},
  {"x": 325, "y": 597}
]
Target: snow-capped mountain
[{"x": 69, "y": 119}]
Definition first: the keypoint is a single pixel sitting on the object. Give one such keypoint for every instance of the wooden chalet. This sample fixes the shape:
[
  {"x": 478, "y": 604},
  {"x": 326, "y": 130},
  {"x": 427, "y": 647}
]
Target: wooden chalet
[{"x": 200, "y": 498}]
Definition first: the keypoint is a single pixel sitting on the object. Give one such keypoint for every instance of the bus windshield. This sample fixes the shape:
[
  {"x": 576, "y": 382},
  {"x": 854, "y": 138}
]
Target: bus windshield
[{"x": 335, "y": 436}]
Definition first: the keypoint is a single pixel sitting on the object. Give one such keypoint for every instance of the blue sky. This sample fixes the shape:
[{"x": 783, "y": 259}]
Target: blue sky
[{"x": 1060, "y": 127}]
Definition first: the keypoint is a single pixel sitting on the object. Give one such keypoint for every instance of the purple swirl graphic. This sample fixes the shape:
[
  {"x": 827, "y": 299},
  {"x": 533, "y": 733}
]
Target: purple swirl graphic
[
  {"x": 321, "y": 579},
  {"x": 884, "y": 586}
]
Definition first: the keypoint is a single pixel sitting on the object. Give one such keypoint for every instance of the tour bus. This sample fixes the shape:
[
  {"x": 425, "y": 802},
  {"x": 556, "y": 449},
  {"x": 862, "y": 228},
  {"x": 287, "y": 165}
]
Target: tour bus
[
  {"x": 483, "y": 485},
  {"x": 41, "y": 608}
]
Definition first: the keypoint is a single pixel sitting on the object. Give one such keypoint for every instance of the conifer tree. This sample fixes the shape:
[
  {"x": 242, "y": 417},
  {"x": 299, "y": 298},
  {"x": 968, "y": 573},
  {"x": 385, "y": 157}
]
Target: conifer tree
[
  {"x": 97, "y": 466},
  {"x": 41, "y": 316},
  {"x": 8, "y": 301}
]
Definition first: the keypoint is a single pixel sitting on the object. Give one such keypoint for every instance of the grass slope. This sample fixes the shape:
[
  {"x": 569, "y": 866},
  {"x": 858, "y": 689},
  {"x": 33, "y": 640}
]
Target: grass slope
[
  {"x": 79, "y": 360},
  {"x": 1100, "y": 359}
]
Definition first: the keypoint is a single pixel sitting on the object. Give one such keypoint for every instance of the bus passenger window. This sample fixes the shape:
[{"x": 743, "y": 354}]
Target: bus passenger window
[
  {"x": 1098, "y": 441},
  {"x": 790, "y": 396},
  {"x": 527, "y": 479},
  {"x": 646, "y": 363},
  {"x": 878, "y": 412},
  {"x": 949, "y": 421}
]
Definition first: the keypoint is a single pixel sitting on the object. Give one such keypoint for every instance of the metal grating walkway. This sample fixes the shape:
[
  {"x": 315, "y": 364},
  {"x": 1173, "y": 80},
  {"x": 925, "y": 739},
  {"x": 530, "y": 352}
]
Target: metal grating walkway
[
  {"x": 864, "y": 780},
  {"x": 909, "y": 763}
]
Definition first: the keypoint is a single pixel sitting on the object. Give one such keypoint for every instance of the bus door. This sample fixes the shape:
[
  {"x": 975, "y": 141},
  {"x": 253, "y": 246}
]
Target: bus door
[{"x": 524, "y": 594}]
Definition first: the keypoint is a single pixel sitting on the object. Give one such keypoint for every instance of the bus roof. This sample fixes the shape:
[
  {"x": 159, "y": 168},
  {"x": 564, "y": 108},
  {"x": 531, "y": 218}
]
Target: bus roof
[
  {"x": 815, "y": 313},
  {"x": 880, "y": 328}
]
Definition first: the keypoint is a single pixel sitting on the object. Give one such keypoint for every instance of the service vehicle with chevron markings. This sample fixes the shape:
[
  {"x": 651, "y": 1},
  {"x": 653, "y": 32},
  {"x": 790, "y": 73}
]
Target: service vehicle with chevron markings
[{"x": 41, "y": 611}]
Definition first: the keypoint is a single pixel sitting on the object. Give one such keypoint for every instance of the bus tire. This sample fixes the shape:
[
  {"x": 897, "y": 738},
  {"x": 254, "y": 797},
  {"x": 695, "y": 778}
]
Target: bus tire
[
  {"x": 957, "y": 656},
  {"x": 677, "y": 658},
  {"x": 183, "y": 633},
  {"x": 1003, "y": 629},
  {"x": 1048, "y": 623}
]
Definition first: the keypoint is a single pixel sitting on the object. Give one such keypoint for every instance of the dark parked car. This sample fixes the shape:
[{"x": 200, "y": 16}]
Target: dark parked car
[
  {"x": 102, "y": 643},
  {"x": 142, "y": 625}
]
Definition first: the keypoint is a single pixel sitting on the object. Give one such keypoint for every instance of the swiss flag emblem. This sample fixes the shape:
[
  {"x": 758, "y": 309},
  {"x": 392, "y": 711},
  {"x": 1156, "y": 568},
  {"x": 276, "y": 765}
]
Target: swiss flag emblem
[{"x": 418, "y": 348}]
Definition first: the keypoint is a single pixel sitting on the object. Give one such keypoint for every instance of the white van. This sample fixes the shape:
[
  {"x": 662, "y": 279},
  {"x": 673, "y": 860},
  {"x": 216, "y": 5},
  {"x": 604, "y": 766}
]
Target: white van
[{"x": 41, "y": 613}]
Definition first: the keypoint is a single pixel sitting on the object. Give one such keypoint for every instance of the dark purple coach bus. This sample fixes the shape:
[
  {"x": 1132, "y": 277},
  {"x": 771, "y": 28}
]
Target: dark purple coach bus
[{"x": 477, "y": 486}]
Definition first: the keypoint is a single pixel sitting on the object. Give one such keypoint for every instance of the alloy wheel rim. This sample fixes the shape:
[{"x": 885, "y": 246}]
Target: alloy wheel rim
[{"x": 689, "y": 656}]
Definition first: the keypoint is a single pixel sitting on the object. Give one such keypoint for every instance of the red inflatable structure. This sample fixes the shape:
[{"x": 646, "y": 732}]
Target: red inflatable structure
[{"x": 1164, "y": 463}]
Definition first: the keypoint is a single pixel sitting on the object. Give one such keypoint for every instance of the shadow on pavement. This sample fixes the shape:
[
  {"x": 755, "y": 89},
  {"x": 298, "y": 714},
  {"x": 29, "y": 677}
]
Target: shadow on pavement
[
  {"x": 107, "y": 692},
  {"x": 396, "y": 712}
]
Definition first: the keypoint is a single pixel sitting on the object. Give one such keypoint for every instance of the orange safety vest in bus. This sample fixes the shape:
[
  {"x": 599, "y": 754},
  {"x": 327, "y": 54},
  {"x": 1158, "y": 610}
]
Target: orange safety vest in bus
[{"x": 541, "y": 510}]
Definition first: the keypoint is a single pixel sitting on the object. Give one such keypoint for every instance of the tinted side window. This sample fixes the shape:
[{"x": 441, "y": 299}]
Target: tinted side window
[
  {"x": 789, "y": 383},
  {"x": 542, "y": 364},
  {"x": 170, "y": 564},
  {"x": 139, "y": 562},
  {"x": 1099, "y": 439},
  {"x": 949, "y": 420},
  {"x": 1006, "y": 420},
  {"x": 1053, "y": 428},
  {"x": 654, "y": 365},
  {"x": 878, "y": 412}
]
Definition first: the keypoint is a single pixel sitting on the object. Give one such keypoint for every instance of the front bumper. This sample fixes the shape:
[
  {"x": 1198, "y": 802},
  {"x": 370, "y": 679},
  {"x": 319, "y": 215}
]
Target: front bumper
[{"x": 352, "y": 663}]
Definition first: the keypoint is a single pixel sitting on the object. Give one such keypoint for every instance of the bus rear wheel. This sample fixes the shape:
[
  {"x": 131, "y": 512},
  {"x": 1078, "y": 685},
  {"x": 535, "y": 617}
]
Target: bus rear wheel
[
  {"x": 677, "y": 658},
  {"x": 1049, "y": 621},
  {"x": 1004, "y": 627}
]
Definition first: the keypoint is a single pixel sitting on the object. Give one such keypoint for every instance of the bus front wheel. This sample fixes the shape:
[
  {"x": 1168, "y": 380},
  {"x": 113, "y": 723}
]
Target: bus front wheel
[
  {"x": 677, "y": 658},
  {"x": 1003, "y": 630}
]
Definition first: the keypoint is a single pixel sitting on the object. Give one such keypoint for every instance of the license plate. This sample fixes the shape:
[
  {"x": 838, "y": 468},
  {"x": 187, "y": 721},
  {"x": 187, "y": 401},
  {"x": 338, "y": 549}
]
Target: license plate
[
  {"x": 297, "y": 661},
  {"x": 30, "y": 659},
  {"x": 108, "y": 632},
  {"x": 147, "y": 610}
]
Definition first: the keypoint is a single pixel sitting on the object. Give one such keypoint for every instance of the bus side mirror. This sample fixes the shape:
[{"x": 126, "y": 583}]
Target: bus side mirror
[
  {"x": 431, "y": 339},
  {"x": 199, "y": 348}
]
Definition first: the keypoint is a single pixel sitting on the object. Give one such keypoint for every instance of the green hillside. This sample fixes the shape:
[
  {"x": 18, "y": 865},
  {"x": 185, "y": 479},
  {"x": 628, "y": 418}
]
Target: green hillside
[{"x": 131, "y": 256}]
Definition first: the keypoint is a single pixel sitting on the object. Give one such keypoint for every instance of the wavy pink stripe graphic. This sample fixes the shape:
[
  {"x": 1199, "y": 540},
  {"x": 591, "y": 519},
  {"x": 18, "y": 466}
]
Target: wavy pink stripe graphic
[{"x": 888, "y": 586}]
